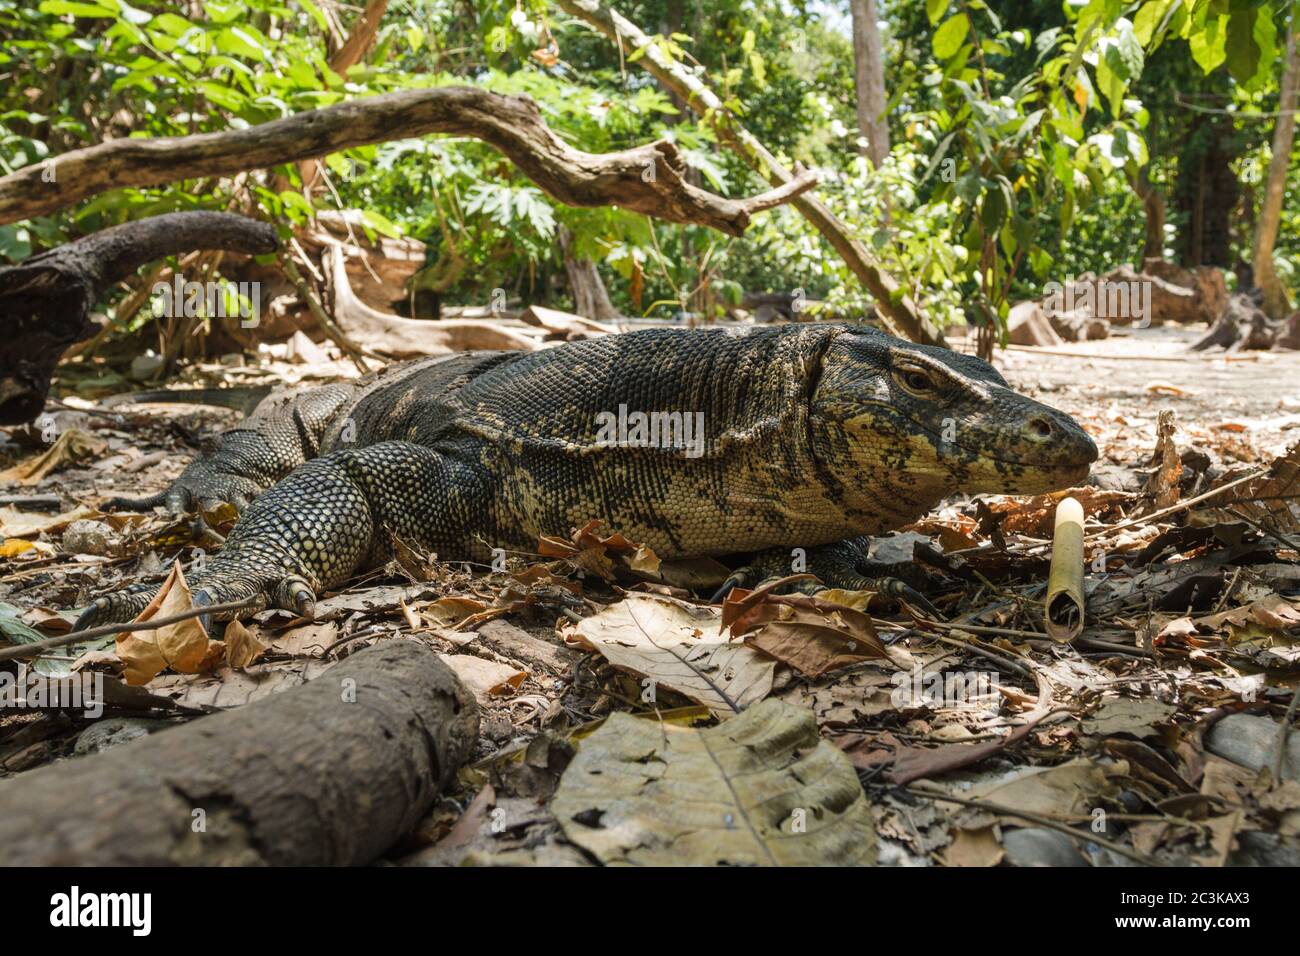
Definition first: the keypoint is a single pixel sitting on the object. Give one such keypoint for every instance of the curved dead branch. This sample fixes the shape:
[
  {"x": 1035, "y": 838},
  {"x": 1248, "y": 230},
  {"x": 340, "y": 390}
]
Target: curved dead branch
[
  {"x": 46, "y": 301},
  {"x": 649, "y": 179}
]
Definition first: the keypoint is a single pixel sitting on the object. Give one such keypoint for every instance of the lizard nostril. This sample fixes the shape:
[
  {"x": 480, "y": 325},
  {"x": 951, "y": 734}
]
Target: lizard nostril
[{"x": 1041, "y": 427}]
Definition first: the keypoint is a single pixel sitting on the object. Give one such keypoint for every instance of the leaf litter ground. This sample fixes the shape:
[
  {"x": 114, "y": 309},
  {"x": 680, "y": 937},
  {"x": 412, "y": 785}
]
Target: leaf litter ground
[{"x": 1156, "y": 737}]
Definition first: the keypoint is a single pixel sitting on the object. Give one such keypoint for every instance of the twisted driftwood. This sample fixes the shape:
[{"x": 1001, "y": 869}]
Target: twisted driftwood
[{"x": 45, "y": 302}]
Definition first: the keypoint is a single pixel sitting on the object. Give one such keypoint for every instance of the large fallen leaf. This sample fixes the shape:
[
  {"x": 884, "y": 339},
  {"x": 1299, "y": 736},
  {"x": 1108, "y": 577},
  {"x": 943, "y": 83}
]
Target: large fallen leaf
[
  {"x": 680, "y": 646},
  {"x": 1068, "y": 789},
  {"x": 183, "y": 647},
  {"x": 71, "y": 446},
  {"x": 1272, "y": 499},
  {"x": 1128, "y": 715},
  {"x": 759, "y": 789}
]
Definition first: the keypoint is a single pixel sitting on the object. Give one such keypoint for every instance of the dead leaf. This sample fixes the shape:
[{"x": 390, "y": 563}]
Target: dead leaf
[
  {"x": 183, "y": 647},
  {"x": 242, "y": 646},
  {"x": 26, "y": 524},
  {"x": 810, "y": 634},
  {"x": 1162, "y": 486},
  {"x": 484, "y": 678},
  {"x": 761, "y": 788},
  {"x": 978, "y": 847},
  {"x": 71, "y": 446}
]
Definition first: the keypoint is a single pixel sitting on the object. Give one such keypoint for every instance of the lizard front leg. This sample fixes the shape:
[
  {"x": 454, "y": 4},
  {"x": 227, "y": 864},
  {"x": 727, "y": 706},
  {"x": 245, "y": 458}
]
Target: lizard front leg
[
  {"x": 326, "y": 520},
  {"x": 842, "y": 564}
]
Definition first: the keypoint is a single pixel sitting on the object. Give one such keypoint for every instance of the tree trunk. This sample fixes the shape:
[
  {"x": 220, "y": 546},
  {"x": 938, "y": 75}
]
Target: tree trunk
[
  {"x": 1153, "y": 204},
  {"x": 1276, "y": 304},
  {"x": 869, "y": 80},
  {"x": 332, "y": 772},
  {"x": 590, "y": 297}
]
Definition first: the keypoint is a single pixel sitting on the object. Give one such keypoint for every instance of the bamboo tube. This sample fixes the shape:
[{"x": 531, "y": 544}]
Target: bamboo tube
[{"x": 1063, "y": 608}]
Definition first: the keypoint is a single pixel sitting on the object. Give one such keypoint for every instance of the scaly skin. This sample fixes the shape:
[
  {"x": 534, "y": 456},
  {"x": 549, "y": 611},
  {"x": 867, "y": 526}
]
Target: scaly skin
[{"x": 812, "y": 434}]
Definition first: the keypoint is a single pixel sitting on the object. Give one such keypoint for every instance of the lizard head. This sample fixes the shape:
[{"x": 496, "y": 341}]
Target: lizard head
[{"x": 926, "y": 422}]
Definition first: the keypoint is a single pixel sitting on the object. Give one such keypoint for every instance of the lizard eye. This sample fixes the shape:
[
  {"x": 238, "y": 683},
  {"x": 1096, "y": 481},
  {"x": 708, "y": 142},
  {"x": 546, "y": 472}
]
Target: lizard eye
[{"x": 915, "y": 380}]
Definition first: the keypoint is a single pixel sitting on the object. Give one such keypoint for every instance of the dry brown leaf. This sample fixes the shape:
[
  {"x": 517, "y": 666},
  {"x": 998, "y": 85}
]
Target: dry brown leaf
[
  {"x": 1162, "y": 486},
  {"x": 26, "y": 524},
  {"x": 591, "y": 553},
  {"x": 678, "y": 645},
  {"x": 810, "y": 634},
  {"x": 1273, "y": 499},
  {"x": 242, "y": 646},
  {"x": 183, "y": 647},
  {"x": 484, "y": 678},
  {"x": 71, "y": 446},
  {"x": 974, "y": 848}
]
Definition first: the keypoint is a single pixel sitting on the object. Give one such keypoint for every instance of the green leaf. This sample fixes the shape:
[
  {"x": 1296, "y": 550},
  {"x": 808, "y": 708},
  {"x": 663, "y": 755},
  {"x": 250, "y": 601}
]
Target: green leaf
[
  {"x": 949, "y": 37},
  {"x": 315, "y": 13},
  {"x": 60, "y": 8},
  {"x": 380, "y": 224},
  {"x": 935, "y": 9},
  {"x": 239, "y": 41},
  {"x": 1208, "y": 44},
  {"x": 1240, "y": 47},
  {"x": 1148, "y": 19}
]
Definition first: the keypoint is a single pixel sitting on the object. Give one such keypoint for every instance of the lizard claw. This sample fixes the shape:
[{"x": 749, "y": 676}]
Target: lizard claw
[
  {"x": 295, "y": 594},
  {"x": 737, "y": 579},
  {"x": 901, "y": 590}
]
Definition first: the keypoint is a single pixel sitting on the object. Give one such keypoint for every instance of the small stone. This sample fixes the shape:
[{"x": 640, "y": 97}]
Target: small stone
[
  {"x": 1251, "y": 741},
  {"x": 146, "y": 366},
  {"x": 114, "y": 731},
  {"x": 1035, "y": 846},
  {"x": 88, "y": 536}
]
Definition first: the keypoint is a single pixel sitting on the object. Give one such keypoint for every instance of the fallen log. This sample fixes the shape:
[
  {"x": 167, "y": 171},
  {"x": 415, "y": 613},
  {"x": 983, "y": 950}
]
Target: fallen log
[
  {"x": 332, "y": 772},
  {"x": 395, "y": 337},
  {"x": 45, "y": 301},
  {"x": 1242, "y": 326}
]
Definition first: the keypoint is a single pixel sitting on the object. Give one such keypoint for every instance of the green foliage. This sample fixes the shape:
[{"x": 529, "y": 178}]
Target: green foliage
[{"x": 1018, "y": 129}]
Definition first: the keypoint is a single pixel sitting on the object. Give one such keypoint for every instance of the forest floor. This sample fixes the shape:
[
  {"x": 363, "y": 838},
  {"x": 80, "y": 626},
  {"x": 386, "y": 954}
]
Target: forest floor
[{"x": 1154, "y": 737}]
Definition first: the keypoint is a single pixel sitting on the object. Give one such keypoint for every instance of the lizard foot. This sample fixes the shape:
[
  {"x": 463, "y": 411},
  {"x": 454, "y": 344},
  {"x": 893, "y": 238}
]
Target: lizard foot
[{"x": 290, "y": 592}]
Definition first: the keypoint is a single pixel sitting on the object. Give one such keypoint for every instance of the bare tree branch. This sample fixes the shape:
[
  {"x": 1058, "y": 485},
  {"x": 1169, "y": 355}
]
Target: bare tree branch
[
  {"x": 649, "y": 179},
  {"x": 46, "y": 301}
]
